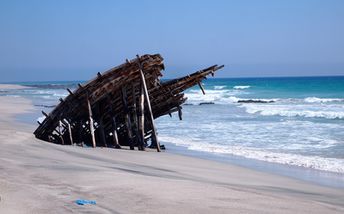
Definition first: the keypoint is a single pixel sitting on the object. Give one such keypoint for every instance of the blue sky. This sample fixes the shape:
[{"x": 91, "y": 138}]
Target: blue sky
[{"x": 73, "y": 40}]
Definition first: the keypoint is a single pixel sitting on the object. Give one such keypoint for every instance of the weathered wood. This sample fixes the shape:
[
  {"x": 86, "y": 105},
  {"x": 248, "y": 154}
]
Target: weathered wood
[
  {"x": 114, "y": 133},
  {"x": 201, "y": 87},
  {"x": 99, "y": 111},
  {"x": 80, "y": 135},
  {"x": 70, "y": 92},
  {"x": 70, "y": 133},
  {"x": 91, "y": 124},
  {"x": 145, "y": 90},
  {"x": 102, "y": 132},
  {"x": 127, "y": 118},
  {"x": 60, "y": 131},
  {"x": 45, "y": 114},
  {"x": 134, "y": 116},
  {"x": 180, "y": 113},
  {"x": 105, "y": 90},
  {"x": 141, "y": 115}
]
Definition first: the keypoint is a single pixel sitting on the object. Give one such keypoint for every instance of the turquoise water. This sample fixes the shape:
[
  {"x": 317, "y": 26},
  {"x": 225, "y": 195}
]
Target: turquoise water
[
  {"x": 295, "y": 122},
  {"x": 292, "y": 121},
  {"x": 287, "y": 87}
]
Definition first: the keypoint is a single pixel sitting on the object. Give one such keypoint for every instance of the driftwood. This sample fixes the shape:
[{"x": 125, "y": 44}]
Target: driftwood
[{"x": 118, "y": 107}]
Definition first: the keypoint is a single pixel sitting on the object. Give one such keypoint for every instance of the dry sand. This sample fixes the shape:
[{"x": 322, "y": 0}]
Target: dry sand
[{"x": 40, "y": 177}]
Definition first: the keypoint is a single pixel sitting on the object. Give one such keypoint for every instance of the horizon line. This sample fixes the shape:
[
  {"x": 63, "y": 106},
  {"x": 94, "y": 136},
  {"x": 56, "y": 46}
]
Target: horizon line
[{"x": 237, "y": 77}]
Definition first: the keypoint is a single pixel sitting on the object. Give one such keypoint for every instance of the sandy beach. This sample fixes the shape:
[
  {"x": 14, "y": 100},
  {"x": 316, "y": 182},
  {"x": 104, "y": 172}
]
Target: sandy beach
[{"x": 40, "y": 177}]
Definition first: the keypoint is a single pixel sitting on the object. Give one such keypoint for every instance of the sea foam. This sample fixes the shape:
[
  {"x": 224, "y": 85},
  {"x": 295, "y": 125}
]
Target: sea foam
[
  {"x": 219, "y": 87},
  {"x": 314, "y": 162},
  {"x": 242, "y": 87},
  {"x": 322, "y": 100},
  {"x": 292, "y": 110}
]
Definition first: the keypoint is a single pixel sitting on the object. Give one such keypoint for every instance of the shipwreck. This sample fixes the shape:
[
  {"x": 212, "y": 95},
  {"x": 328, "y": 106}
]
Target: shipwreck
[{"x": 118, "y": 107}]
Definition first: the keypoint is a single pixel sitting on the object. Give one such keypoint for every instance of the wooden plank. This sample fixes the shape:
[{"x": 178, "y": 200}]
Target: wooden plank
[
  {"x": 101, "y": 129},
  {"x": 45, "y": 114},
  {"x": 70, "y": 92},
  {"x": 201, "y": 87},
  {"x": 60, "y": 131},
  {"x": 134, "y": 116},
  {"x": 70, "y": 133},
  {"x": 180, "y": 113},
  {"x": 102, "y": 132},
  {"x": 91, "y": 123},
  {"x": 127, "y": 118},
  {"x": 80, "y": 135},
  {"x": 141, "y": 114},
  {"x": 143, "y": 80},
  {"x": 114, "y": 133}
]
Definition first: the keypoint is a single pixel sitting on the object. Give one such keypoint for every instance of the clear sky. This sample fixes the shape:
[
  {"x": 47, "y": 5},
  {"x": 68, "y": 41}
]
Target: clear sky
[{"x": 73, "y": 40}]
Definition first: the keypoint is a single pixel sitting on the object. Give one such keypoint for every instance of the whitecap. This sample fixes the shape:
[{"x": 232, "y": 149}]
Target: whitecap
[
  {"x": 314, "y": 162},
  {"x": 242, "y": 87},
  {"x": 293, "y": 110},
  {"x": 219, "y": 87},
  {"x": 322, "y": 100}
]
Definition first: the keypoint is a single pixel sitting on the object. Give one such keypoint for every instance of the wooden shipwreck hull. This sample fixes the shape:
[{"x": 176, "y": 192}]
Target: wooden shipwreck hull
[{"x": 118, "y": 107}]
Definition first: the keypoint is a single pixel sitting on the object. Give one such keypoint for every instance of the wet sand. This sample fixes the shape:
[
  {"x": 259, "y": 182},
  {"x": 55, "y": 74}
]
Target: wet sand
[{"x": 40, "y": 177}]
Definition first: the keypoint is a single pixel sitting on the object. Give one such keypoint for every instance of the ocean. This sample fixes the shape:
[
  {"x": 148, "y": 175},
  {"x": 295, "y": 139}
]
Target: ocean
[{"x": 292, "y": 125}]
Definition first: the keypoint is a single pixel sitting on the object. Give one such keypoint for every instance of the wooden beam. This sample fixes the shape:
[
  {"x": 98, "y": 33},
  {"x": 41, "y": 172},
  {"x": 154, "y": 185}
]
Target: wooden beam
[
  {"x": 70, "y": 133},
  {"x": 114, "y": 133},
  {"x": 143, "y": 80},
  {"x": 180, "y": 113},
  {"x": 201, "y": 87},
  {"x": 134, "y": 116},
  {"x": 114, "y": 123},
  {"x": 70, "y": 92},
  {"x": 127, "y": 118},
  {"x": 141, "y": 115},
  {"x": 45, "y": 114},
  {"x": 91, "y": 123},
  {"x": 80, "y": 135},
  {"x": 102, "y": 132},
  {"x": 60, "y": 131}
]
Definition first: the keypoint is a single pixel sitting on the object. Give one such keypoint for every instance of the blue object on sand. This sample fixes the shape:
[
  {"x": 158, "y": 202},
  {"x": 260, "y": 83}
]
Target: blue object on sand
[{"x": 83, "y": 202}]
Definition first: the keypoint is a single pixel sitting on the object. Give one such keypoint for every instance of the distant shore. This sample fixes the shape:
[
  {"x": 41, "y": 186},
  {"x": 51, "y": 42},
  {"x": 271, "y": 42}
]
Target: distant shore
[
  {"x": 40, "y": 177},
  {"x": 12, "y": 86}
]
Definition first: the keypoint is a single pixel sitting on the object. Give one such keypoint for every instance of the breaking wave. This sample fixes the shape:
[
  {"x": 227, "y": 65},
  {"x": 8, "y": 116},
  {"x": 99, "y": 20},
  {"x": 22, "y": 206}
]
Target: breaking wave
[
  {"x": 219, "y": 87},
  {"x": 322, "y": 100},
  {"x": 328, "y": 112},
  {"x": 242, "y": 87},
  {"x": 310, "y": 107},
  {"x": 314, "y": 162}
]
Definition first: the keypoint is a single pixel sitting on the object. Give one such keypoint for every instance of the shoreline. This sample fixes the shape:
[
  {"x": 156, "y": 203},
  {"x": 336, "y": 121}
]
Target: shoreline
[
  {"x": 38, "y": 173},
  {"x": 314, "y": 176}
]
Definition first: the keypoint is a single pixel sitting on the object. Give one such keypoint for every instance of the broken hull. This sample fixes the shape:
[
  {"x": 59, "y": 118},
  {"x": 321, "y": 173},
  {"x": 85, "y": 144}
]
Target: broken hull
[{"x": 112, "y": 110}]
